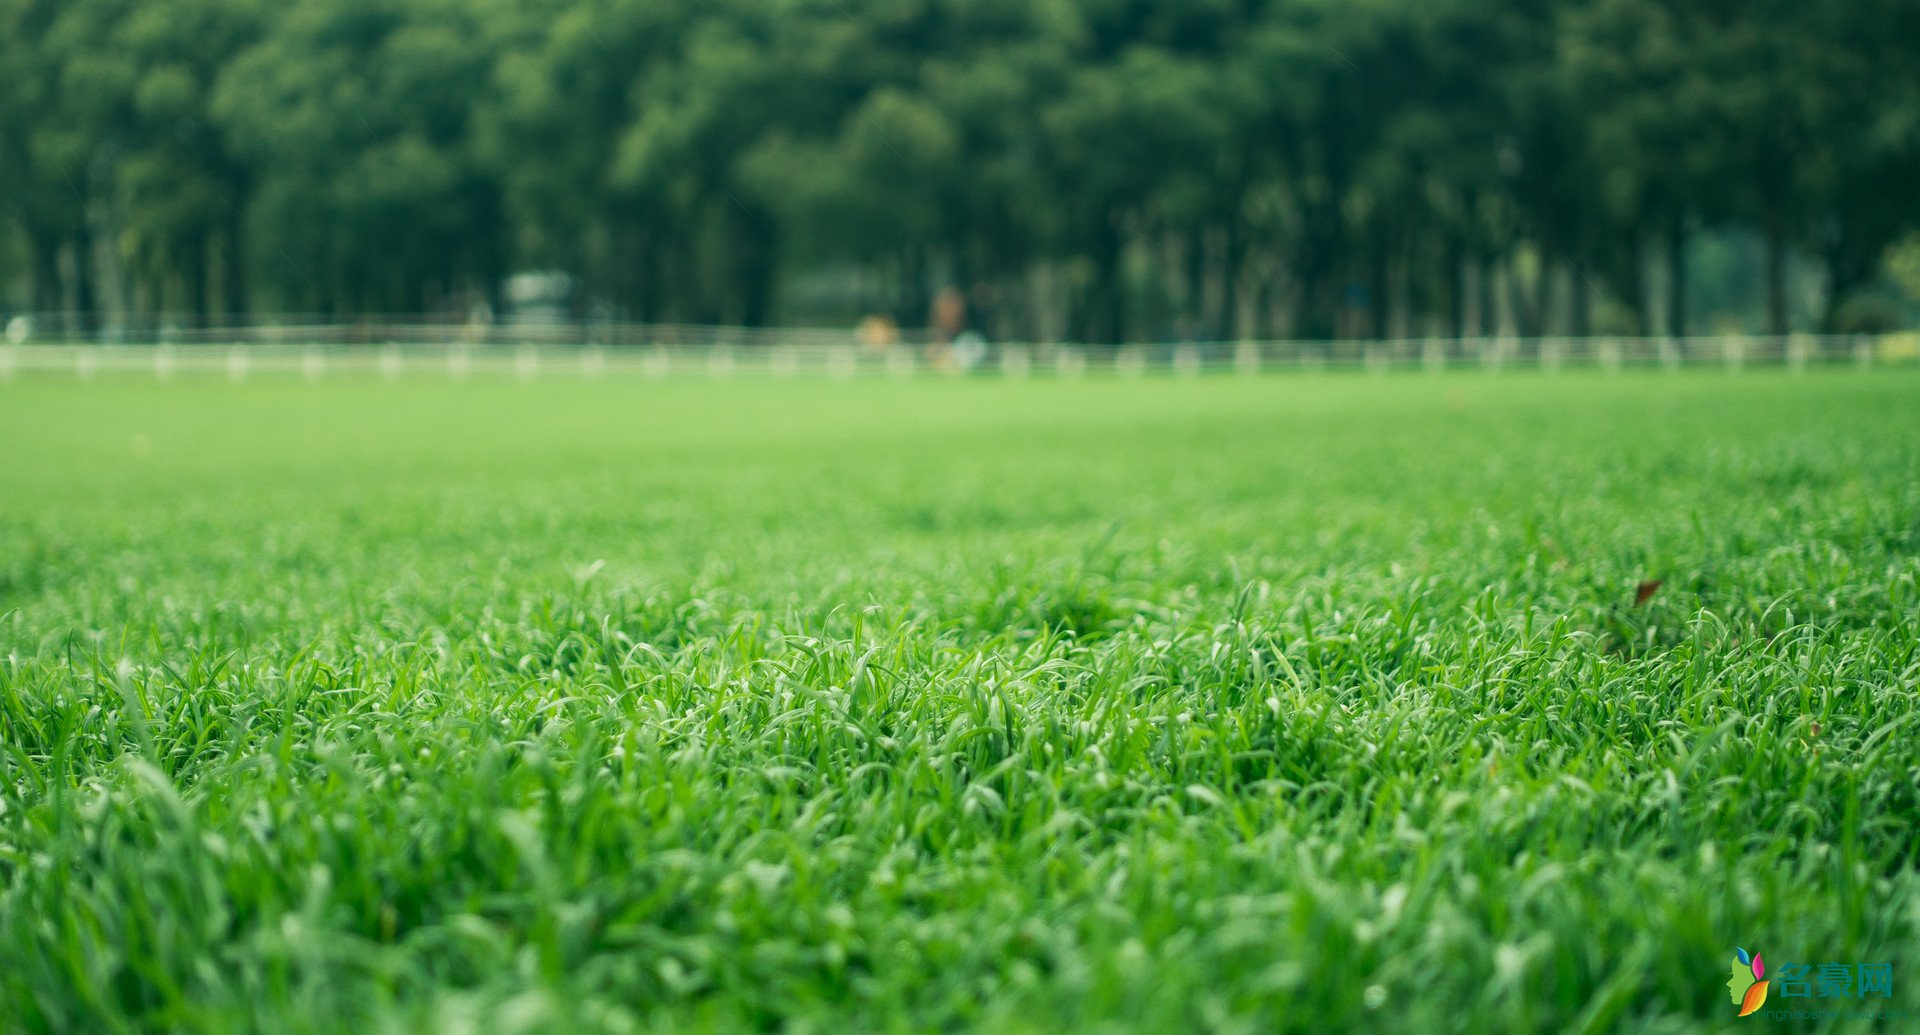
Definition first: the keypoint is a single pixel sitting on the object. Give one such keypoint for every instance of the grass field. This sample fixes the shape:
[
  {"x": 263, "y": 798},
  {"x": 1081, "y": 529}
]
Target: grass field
[{"x": 1248, "y": 705}]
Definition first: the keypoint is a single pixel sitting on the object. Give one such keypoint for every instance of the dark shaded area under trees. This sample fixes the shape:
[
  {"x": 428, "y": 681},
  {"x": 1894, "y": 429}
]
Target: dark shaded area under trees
[{"x": 1100, "y": 170}]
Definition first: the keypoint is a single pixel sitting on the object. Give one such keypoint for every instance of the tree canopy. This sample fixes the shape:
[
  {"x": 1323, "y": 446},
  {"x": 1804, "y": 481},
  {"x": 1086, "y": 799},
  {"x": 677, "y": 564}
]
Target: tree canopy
[{"x": 1097, "y": 170}]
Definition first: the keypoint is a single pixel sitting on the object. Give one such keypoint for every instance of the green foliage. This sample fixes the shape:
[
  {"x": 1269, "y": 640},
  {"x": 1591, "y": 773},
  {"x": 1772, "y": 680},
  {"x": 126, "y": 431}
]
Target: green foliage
[
  {"x": 1242, "y": 705},
  {"x": 1313, "y": 167}
]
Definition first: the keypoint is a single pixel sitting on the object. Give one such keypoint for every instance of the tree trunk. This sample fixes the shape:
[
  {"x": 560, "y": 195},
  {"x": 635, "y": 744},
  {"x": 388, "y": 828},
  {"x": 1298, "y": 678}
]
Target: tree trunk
[
  {"x": 644, "y": 279},
  {"x": 83, "y": 293},
  {"x": 233, "y": 273},
  {"x": 1640, "y": 299},
  {"x": 1380, "y": 287},
  {"x": 914, "y": 306},
  {"x": 197, "y": 286},
  {"x": 1776, "y": 281},
  {"x": 756, "y": 259},
  {"x": 1108, "y": 303},
  {"x": 1489, "y": 306},
  {"x": 1456, "y": 274},
  {"x": 1233, "y": 258},
  {"x": 1677, "y": 278},
  {"x": 1319, "y": 315},
  {"x": 1541, "y": 317},
  {"x": 1193, "y": 309},
  {"x": 1848, "y": 267},
  {"x": 1523, "y": 318},
  {"x": 46, "y": 273},
  {"x": 1582, "y": 304}
]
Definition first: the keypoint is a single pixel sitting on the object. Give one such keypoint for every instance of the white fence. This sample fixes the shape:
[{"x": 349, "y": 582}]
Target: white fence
[{"x": 837, "y": 355}]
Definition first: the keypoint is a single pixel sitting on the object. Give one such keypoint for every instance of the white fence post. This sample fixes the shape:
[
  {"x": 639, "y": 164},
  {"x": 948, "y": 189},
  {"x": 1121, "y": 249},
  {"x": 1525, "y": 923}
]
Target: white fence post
[
  {"x": 1246, "y": 357},
  {"x": 842, "y": 362},
  {"x": 1068, "y": 362},
  {"x": 782, "y": 361},
  {"x": 1015, "y": 361},
  {"x": 900, "y": 362},
  {"x": 1796, "y": 350},
  {"x": 658, "y": 362},
  {"x": 1313, "y": 359},
  {"x": 1373, "y": 357},
  {"x": 1734, "y": 351},
  {"x": 1186, "y": 360}
]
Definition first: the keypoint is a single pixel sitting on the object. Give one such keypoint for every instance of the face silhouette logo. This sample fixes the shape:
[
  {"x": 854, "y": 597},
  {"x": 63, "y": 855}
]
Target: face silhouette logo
[{"x": 1748, "y": 987}]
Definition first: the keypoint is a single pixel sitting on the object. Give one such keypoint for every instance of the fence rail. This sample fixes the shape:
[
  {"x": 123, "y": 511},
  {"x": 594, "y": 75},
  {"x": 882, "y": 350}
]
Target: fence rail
[
  {"x": 836, "y": 354},
  {"x": 404, "y": 329}
]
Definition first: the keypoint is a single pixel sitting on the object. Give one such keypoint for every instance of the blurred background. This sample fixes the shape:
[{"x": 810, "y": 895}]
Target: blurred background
[{"x": 1022, "y": 170}]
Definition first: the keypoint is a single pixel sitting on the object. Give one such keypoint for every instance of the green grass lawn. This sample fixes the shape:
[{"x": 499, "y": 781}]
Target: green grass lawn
[{"x": 1249, "y": 705}]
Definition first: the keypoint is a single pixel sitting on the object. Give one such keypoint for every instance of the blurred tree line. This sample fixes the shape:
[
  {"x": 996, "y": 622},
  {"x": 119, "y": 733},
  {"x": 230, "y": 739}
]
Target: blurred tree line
[{"x": 1096, "y": 170}]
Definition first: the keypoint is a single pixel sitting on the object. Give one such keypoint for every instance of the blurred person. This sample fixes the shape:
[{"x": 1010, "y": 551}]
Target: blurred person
[{"x": 878, "y": 333}]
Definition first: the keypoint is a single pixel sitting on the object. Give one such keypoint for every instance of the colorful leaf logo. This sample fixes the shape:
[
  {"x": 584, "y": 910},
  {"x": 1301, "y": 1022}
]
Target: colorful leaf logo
[{"x": 1748, "y": 986}]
